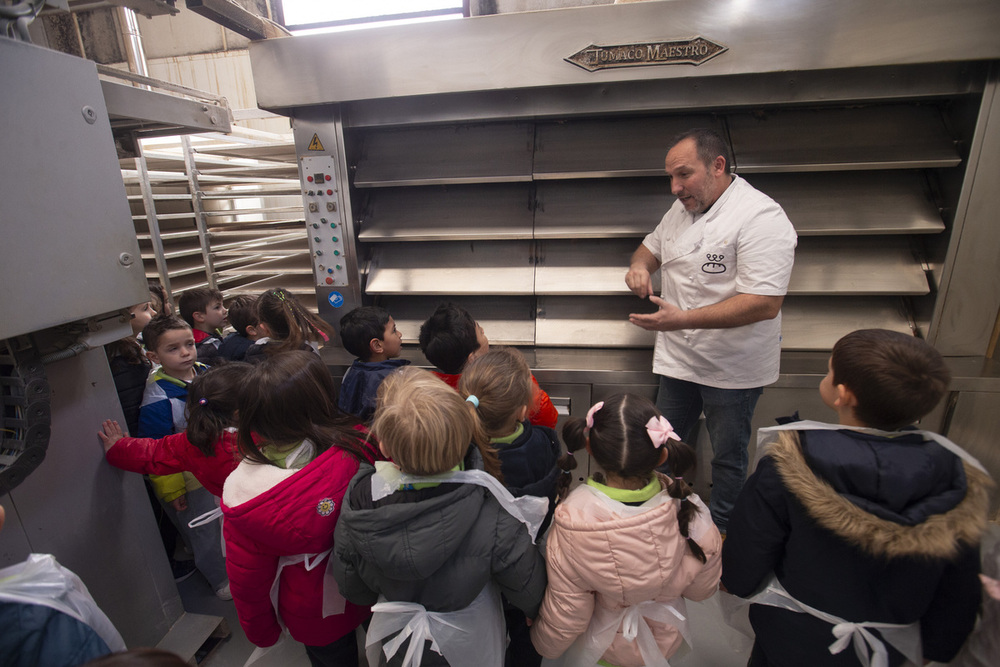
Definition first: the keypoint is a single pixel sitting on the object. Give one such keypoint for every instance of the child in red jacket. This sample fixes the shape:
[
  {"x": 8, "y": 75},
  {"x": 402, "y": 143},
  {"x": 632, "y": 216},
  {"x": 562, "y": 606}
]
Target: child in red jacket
[
  {"x": 206, "y": 448},
  {"x": 281, "y": 505}
]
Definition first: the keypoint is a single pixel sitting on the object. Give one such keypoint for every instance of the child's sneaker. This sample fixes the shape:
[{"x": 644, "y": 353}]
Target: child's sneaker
[{"x": 223, "y": 593}]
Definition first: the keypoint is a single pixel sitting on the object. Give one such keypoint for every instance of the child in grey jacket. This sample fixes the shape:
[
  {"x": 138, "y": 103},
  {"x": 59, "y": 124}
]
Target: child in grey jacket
[{"x": 429, "y": 536}]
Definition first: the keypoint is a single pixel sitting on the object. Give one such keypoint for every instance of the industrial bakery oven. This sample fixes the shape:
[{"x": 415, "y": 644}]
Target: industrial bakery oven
[{"x": 512, "y": 163}]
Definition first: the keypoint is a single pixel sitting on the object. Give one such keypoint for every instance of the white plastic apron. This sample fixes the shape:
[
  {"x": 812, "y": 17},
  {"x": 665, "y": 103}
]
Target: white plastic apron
[
  {"x": 768, "y": 436},
  {"x": 333, "y": 602},
  {"x": 529, "y": 510},
  {"x": 40, "y": 580},
  {"x": 869, "y": 648},
  {"x": 470, "y": 636},
  {"x": 591, "y": 645}
]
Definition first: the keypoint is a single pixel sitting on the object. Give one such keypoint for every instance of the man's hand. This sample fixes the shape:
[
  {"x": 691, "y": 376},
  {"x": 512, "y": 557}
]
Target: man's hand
[
  {"x": 668, "y": 318},
  {"x": 639, "y": 281},
  {"x": 110, "y": 434}
]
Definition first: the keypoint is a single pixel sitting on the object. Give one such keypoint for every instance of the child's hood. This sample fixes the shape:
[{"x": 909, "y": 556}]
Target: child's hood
[
  {"x": 892, "y": 496},
  {"x": 412, "y": 540},
  {"x": 648, "y": 558}
]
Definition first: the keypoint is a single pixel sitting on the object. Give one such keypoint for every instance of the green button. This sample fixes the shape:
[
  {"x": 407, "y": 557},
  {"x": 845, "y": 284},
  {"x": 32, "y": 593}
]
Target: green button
[
  {"x": 338, "y": 266},
  {"x": 334, "y": 239},
  {"x": 333, "y": 225},
  {"x": 336, "y": 252}
]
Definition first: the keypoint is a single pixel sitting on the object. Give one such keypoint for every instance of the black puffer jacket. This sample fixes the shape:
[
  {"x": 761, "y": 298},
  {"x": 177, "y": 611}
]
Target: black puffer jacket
[
  {"x": 130, "y": 382},
  {"x": 438, "y": 547},
  {"x": 864, "y": 527}
]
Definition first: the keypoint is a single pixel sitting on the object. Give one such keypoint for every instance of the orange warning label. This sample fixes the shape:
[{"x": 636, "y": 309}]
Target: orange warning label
[{"x": 316, "y": 144}]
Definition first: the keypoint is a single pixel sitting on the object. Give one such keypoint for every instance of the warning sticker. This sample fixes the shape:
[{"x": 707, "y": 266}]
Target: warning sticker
[{"x": 316, "y": 144}]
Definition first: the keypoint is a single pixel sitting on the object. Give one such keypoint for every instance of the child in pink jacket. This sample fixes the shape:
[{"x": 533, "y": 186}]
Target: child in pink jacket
[{"x": 623, "y": 554}]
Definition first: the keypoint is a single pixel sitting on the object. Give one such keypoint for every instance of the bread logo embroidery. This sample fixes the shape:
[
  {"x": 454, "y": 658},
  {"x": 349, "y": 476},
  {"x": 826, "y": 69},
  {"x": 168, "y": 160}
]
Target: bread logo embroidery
[
  {"x": 714, "y": 264},
  {"x": 326, "y": 507}
]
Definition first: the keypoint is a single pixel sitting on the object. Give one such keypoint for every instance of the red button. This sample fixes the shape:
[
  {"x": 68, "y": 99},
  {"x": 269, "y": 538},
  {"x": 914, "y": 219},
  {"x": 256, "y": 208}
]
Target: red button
[
  {"x": 329, "y": 177},
  {"x": 329, "y": 192},
  {"x": 309, "y": 178},
  {"x": 329, "y": 281}
]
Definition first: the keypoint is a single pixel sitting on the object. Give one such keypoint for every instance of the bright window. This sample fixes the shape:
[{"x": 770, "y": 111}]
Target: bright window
[{"x": 308, "y": 16}]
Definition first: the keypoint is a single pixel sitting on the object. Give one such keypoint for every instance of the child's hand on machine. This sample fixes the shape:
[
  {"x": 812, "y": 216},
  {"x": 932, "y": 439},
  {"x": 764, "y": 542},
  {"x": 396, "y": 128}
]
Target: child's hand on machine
[
  {"x": 180, "y": 503},
  {"x": 111, "y": 433}
]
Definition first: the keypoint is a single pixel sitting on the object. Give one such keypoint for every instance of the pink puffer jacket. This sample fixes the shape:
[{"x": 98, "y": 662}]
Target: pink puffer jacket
[
  {"x": 600, "y": 552},
  {"x": 272, "y": 512}
]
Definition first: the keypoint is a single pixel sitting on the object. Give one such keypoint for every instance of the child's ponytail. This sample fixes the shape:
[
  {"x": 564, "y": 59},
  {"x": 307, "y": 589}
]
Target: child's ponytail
[
  {"x": 288, "y": 320},
  {"x": 212, "y": 402},
  {"x": 681, "y": 458},
  {"x": 480, "y": 438}
]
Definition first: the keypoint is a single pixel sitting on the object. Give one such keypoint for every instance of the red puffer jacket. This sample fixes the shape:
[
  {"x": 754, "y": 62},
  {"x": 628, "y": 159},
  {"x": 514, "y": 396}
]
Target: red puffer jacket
[
  {"x": 272, "y": 512},
  {"x": 542, "y": 414},
  {"x": 175, "y": 453}
]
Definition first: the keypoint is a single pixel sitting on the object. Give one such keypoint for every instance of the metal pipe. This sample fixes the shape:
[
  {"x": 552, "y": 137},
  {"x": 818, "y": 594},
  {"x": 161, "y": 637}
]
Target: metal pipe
[{"x": 134, "y": 53}]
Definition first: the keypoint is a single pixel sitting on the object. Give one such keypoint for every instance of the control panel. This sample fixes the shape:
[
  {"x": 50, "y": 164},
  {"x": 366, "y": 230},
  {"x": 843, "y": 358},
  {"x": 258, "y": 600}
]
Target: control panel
[{"x": 323, "y": 222}]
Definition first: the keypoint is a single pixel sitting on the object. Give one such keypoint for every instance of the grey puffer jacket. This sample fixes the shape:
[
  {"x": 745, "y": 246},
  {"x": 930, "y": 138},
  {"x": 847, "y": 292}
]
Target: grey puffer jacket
[{"x": 438, "y": 547}]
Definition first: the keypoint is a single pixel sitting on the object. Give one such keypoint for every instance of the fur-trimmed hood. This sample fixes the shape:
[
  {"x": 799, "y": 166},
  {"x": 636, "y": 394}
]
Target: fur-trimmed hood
[{"x": 926, "y": 513}]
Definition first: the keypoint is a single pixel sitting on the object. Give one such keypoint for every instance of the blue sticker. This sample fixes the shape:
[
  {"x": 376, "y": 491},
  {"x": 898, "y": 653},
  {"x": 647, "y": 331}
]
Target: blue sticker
[{"x": 336, "y": 299}]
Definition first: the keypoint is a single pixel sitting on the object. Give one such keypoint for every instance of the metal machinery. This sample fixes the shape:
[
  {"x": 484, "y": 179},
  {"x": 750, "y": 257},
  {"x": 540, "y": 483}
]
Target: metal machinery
[
  {"x": 70, "y": 268},
  {"x": 513, "y": 163}
]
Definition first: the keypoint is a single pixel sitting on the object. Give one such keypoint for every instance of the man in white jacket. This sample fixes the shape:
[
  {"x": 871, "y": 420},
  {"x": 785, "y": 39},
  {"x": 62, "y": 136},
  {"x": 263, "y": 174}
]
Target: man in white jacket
[{"x": 725, "y": 252}]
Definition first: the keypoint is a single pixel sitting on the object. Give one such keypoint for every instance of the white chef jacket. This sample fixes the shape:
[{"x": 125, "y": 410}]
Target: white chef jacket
[{"x": 744, "y": 244}]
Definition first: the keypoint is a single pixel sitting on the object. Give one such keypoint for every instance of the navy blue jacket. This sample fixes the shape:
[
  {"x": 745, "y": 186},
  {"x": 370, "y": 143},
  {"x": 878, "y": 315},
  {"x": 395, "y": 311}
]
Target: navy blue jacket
[
  {"x": 36, "y": 635},
  {"x": 361, "y": 381},
  {"x": 234, "y": 347},
  {"x": 864, "y": 527}
]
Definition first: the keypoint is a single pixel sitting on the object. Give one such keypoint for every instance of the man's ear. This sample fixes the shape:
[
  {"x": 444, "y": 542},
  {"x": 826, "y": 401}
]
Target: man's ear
[
  {"x": 719, "y": 164},
  {"x": 152, "y": 357},
  {"x": 198, "y": 317}
]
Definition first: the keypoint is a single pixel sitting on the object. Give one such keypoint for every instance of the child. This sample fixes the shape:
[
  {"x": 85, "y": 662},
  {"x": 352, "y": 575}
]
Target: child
[
  {"x": 207, "y": 447},
  {"x": 450, "y": 338},
  {"x": 284, "y": 324},
  {"x": 170, "y": 343},
  {"x": 282, "y": 502},
  {"x": 158, "y": 297},
  {"x": 869, "y": 521},
  {"x": 129, "y": 366},
  {"x": 501, "y": 383},
  {"x": 242, "y": 314},
  {"x": 370, "y": 334},
  {"x": 626, "y": 552},
  {"x": 436, "y": 548},
  {"x": 202, "y": 309}
]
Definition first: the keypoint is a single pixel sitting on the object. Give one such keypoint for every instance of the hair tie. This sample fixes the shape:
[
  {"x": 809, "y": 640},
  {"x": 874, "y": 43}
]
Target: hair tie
[
  {"x": 202, "y": 401},
  {"x": 473, "y": 399},
  {"x": 590, "y": 413},
  {"x": 660, "y": 430},
  {"x": 278, "y": 293}
]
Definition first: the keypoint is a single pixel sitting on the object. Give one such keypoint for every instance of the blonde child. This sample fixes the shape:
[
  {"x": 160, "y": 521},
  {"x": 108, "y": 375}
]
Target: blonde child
[
  {"x": 425, "y": 539},
  {"x": 284, "y": 324},
  {"x": 628, "y": 551},
  {"x": 282, "y": 502},
  {"x": 206, "y": 448},
  {"x": 499, "y": 383}
]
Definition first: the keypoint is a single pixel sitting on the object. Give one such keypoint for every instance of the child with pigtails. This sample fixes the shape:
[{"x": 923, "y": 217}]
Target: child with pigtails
[{"x": 624, "y": 554}]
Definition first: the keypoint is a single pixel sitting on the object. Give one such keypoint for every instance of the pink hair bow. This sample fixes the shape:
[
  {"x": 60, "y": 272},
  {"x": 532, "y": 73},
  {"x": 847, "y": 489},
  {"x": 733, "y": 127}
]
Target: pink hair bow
[
  {"x": 660, "y": 431},
  {"x": 590, "y": 413}
]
